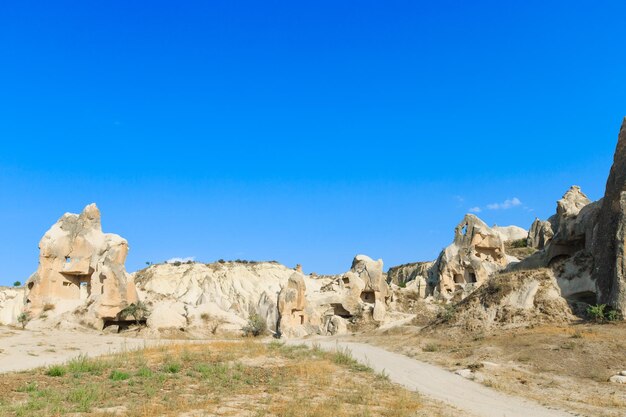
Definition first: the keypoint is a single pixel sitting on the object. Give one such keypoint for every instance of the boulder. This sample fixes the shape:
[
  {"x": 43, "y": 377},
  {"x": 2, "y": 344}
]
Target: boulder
[
  {"x": 79, "y": 265},
  {"x": 609, "y": 244},
  {"x": 618, "y": 379}
]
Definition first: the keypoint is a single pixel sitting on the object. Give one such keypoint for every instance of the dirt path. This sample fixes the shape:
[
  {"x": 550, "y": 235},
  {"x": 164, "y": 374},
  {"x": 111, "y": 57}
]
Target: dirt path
[
  {"x": 475, "y": 399},
  {"x": 26, "y": 349}
]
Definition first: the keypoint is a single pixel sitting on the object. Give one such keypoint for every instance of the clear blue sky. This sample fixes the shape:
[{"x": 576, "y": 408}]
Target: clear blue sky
[{"x": 304, "y": 132}]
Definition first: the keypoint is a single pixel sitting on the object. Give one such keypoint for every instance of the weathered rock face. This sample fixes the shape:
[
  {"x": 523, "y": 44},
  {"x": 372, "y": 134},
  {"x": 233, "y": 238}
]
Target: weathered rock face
[
  {"x": 292, "y": 308},
  {"x": 476, "y": 253},
  {"x": 216, "y": 298},
  {"x": 564, "y": 242},
  {"x": 540, "y": 234},
  {"x": 510, "y": 233},
  {"x": 609, "y": 249},
  {"x": 417, "y": 271},
  {"x": 80, "y": 265},
  {"x": 376, "y": 290},
  {"x": 512, "y": 300},
  {"x": 11, "y": 304}
]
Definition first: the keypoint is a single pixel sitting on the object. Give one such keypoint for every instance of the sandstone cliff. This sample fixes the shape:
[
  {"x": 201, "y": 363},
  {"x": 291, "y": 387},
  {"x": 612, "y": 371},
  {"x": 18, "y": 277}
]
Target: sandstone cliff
[
  {"x": 609, "y": 247},
  {"x": 79, "y": 265}
]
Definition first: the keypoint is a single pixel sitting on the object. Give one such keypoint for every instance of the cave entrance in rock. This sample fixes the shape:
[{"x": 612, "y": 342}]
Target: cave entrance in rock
[
  {"x": 588, "y": 297},
  {"x": 368, "y": 297},
  {"x": 339, "y": 310},
  {"x": 458, "y": 279},
  {"x": 471, "y": 277}
]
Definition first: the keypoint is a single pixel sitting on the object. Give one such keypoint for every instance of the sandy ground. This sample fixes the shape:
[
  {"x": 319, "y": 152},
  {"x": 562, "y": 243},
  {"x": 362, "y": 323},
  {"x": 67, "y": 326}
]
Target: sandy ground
[
  {"x": 473, "y": 398},
  {"x": 26, "y": 349}
]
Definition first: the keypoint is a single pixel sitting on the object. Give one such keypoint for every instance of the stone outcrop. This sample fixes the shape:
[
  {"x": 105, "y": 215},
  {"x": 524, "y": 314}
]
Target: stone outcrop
[
  {"x": 376, "y": 291},
  {"x": 476, "y": 253},
  {"x": 609, "y": 248},
  {"x": 11, "y": 304},
  {"x": 412, "y": 272},
  {"x": 565, "y": 241},
  {"x": 511, "y": 300},
  {"x": 510, "y": 233},
  {"x": 293, "y": 311},
  {"x": 540, "y": 234},
  {"x": 220, "y": 297},
  {"x": 79, "y": 265},
  {"x": 215, "y": 298}
]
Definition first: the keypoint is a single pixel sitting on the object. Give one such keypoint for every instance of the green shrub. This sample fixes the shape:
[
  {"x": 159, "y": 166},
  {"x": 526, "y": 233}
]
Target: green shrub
[
  {"x": 172, "y": 368},
  {"x": 520, "y": 243},
  {"x": 17, "y": 284},
  {"x": 613, "y": 315},
  {"x": 56, "y": 370},
  {"x": 23, "y": 319},
  {"x": 597, "y": 312},
  {"x": 256, "y": 326},
  {"x": 118, "y": 375},
  {"x": 138, "y": 311}
]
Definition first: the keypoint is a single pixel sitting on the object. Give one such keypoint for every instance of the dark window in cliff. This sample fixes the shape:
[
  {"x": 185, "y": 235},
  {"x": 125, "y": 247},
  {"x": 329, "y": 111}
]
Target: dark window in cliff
[
  {"x": 30, "y": 285},
  {"x": 368, "y": 297},
  {"x": 472, "y": 277},
  {"x": 458, "y": 279}
]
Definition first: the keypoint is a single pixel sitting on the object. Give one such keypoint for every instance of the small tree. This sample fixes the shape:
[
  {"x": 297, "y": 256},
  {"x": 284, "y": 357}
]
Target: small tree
[
  {"x": 17, "y": 284},
  {"x": 256, "y": 326},
  {"x": 137, "y": 311},
  {"x": 597, "y": 313},
  {"x": 23, "y": 319}
]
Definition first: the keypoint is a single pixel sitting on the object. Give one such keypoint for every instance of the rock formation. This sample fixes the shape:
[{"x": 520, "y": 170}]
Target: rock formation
[
  {"x": 510, "y": 233},
  {"x": 292, "y": 307},
  {"x": 412, "y": 272},
  {"x": 476, "y": 253},
  {"x": 609, "y": 249},
  {"x": 11, "y": 304},
  {"x": 81, "y": 266},
  {"x": 511, "y": 300},
  {"x": 217, "y": 297},
  {"x": 540, "y": 234}
]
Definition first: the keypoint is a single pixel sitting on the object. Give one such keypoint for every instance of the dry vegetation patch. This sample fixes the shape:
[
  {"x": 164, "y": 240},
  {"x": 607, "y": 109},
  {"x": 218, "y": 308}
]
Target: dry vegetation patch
[
  {"x": 246, "y": 378},
  {"x": 566, "y": 366}
]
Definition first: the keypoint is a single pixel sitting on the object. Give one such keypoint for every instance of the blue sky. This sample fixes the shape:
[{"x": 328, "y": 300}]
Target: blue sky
[{"x": 300, "y": 132}]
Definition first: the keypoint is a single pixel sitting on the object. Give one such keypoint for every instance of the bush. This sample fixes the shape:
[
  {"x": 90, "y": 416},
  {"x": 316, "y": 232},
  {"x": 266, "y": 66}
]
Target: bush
[
  {"x": 448, "y": 313},
  {"x": 56, "y": 370},
  {"x": 256, "y": 326},
  {"x": 118, "y": 375},
  {"x": 23, "y": 319},
  {"x": 601, "y": 313},
  {"x": 613, "y": 315},
  {"x": 138, "y": 311},
  {"x": 17, "y": 284},
  {"x": 520, "y": 243},
  {"x": 597, "y": 313}
]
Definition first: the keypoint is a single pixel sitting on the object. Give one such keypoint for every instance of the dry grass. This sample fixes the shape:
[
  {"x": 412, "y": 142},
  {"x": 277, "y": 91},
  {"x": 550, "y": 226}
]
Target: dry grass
[
  {"x": 246, "y": 378},
  {"x": 561, "y": 365}
]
